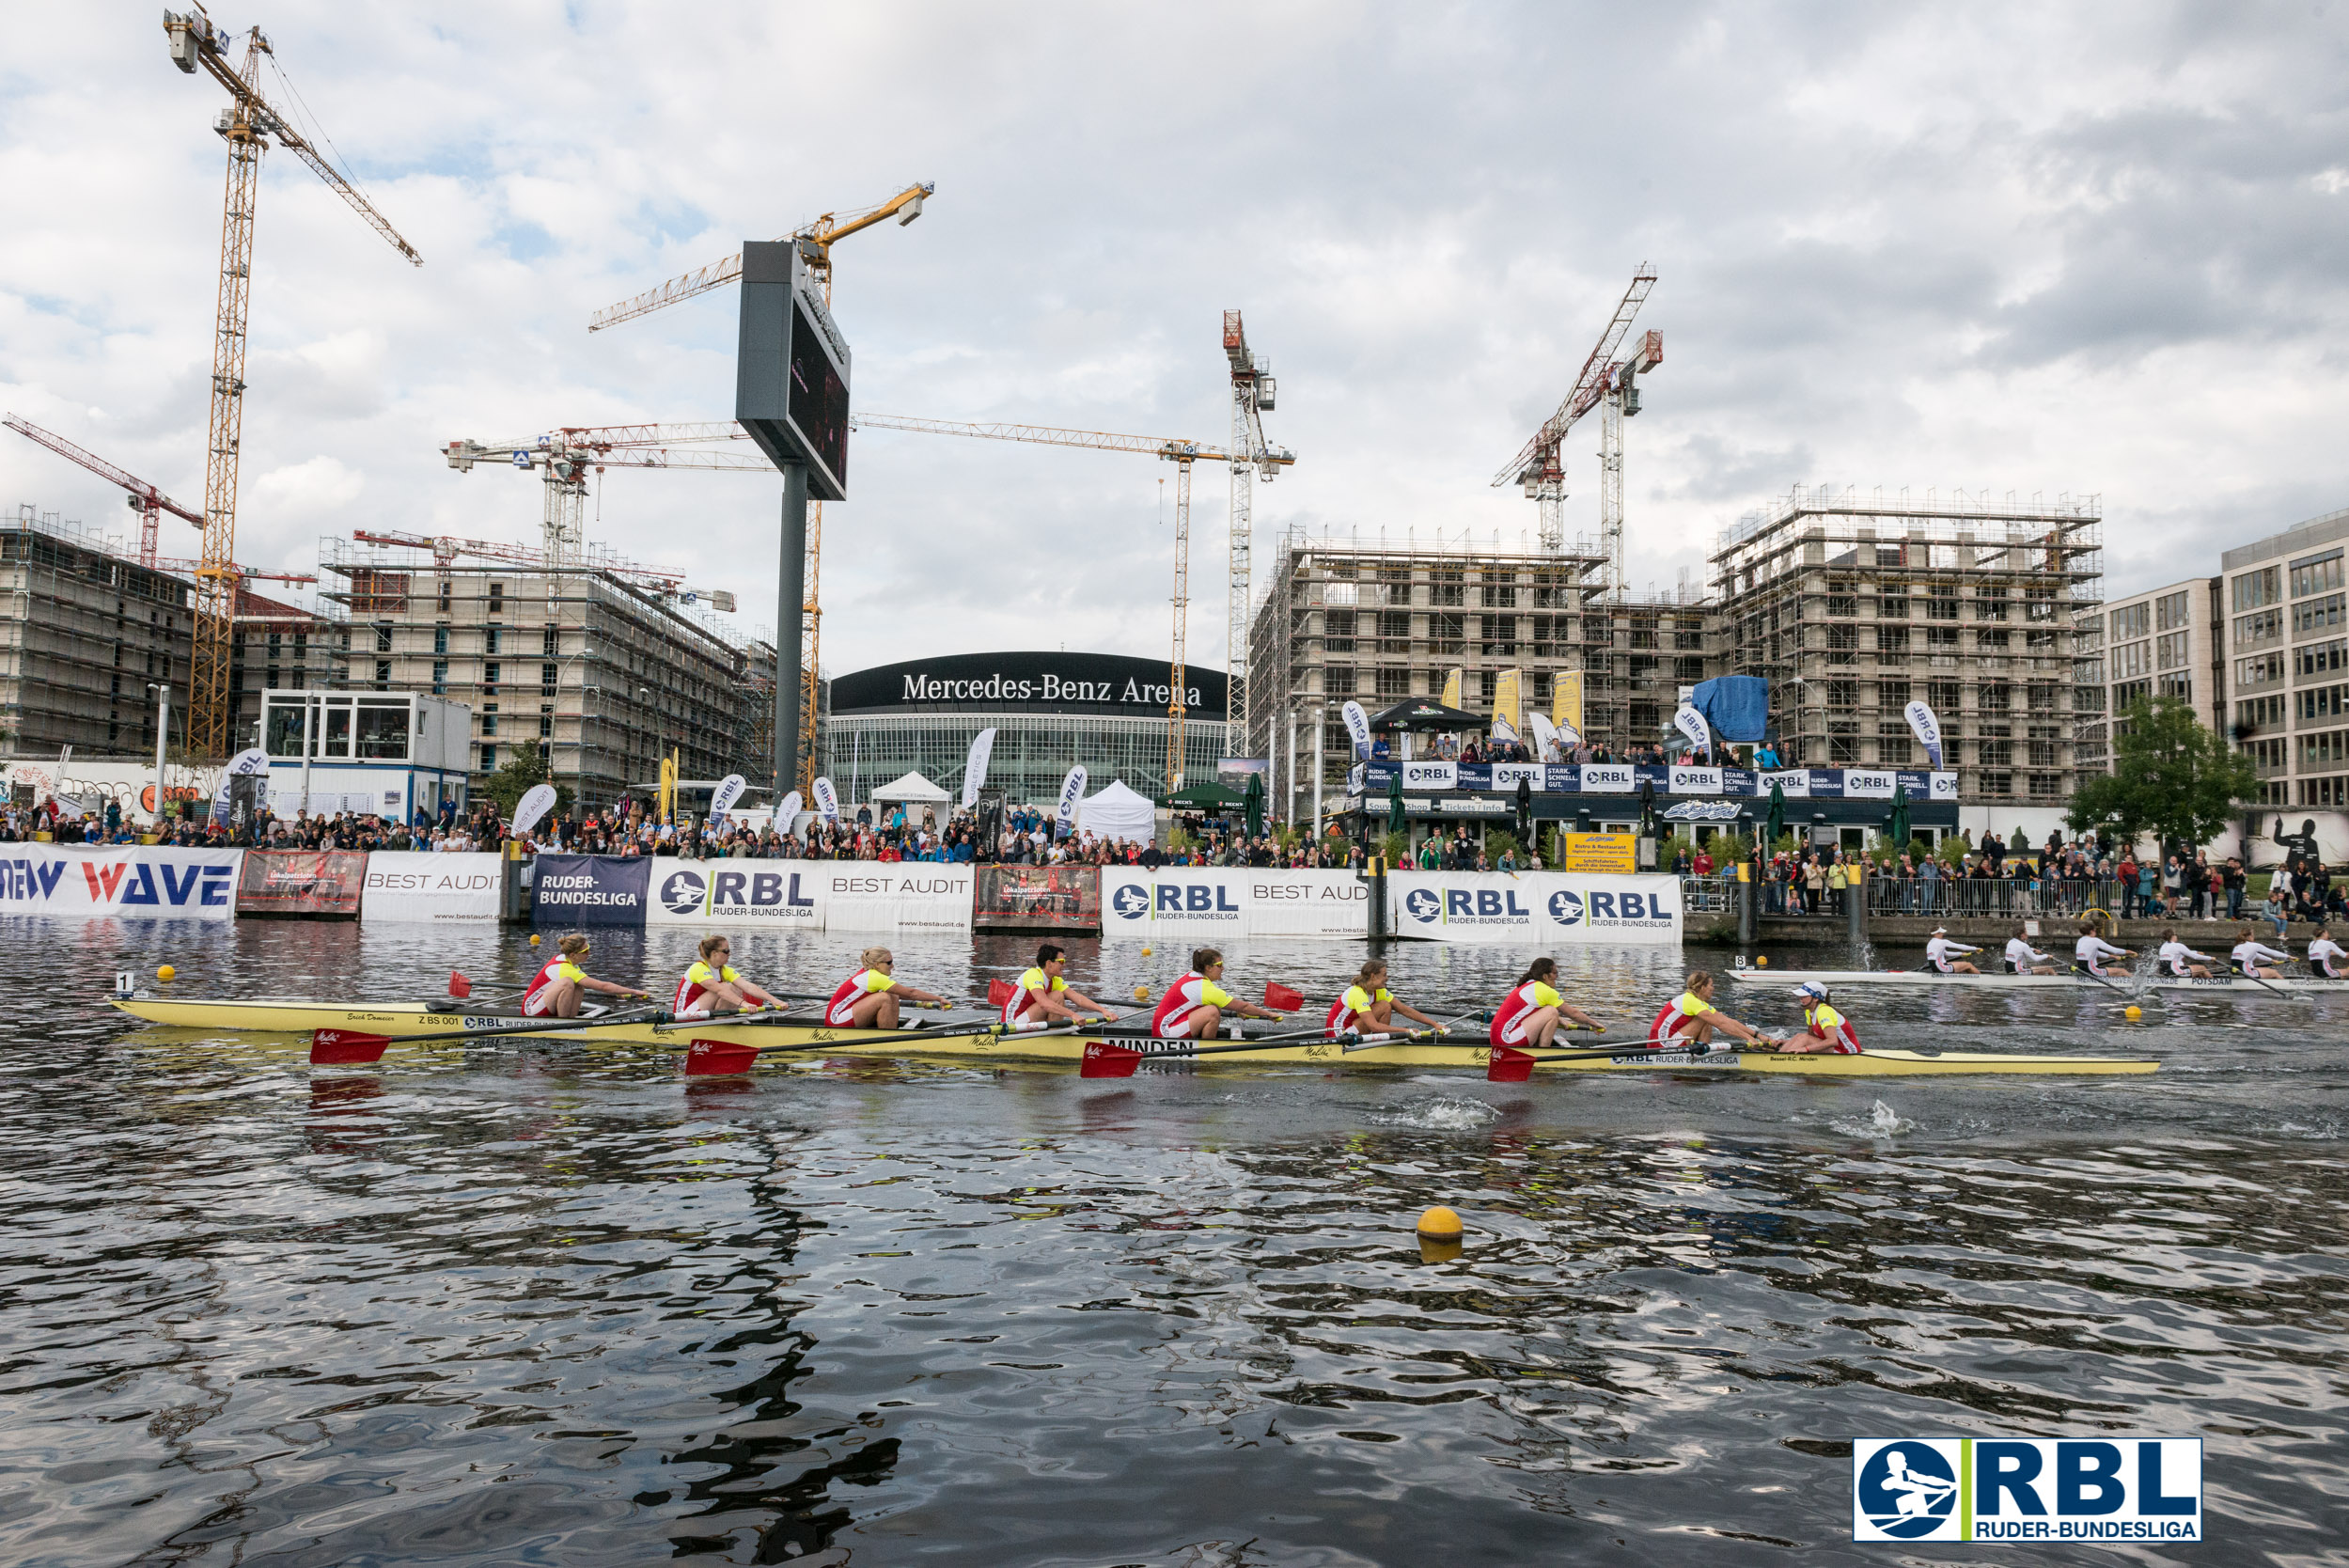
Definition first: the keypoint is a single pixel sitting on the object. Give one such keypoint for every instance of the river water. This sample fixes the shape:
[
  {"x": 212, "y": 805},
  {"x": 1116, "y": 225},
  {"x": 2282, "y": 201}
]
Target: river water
[{"x": 539, "y": 1303}]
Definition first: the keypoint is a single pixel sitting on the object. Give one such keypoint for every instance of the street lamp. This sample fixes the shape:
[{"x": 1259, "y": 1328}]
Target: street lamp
[{"x": 163, "y": 740}]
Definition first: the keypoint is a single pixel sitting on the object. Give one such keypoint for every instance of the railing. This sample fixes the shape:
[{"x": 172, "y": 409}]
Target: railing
[{"x": 1991, "y": 897}]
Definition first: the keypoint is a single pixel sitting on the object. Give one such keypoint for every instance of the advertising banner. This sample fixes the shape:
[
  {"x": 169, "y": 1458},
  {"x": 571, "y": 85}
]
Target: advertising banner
[
  {"x": 914, "y": 895},
  {"x": 812, "y": 895},
  {"x": 1612, "y": 853},
  {"x": 1506, "y": 775},
  {"x": 411, "y": 885},
  {"x": 1431, "y": 775},
  {"x": 1557, "y": 908},
  {"x": 134, "y": 881},
  {"x": 1695, "y": 781},
  {"x": 1209, "y": 903},
  {"x": 1036, "y": 898},
  {"x": 301, "y": 882},
  {"x": 591, "y": 890}
]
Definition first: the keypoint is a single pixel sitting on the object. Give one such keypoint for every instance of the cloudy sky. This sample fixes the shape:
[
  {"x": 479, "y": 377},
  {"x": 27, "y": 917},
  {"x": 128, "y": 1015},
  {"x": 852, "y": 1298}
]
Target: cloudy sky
[{"x": 2030, "y": 248}]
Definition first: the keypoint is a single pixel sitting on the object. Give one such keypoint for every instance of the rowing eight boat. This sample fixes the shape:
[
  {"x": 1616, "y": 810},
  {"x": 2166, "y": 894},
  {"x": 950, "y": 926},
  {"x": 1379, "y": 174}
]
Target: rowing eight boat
[
  {"x": 2306, "y": 984},
  {"x": 300, "y": 1018}
]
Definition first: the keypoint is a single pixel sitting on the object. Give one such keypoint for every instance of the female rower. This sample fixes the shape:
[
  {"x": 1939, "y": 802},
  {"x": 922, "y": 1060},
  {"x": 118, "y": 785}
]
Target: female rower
[
  {"x": 2254, "y": 959},
  {"x": 1368, "y": 1008},
  {"x": 706, "y": 991},
  {"x": 2178, "y": 959},
  {"x": 1948, "y": 956},
  {"x": 1691, "y": 1017},
  {"x": 868, "y": 999},
  {"x": 1040, "y": 995},
  {"x": 2024, "y": 959},
  {"x": 1192, "y": 1007},
  {"x": 555, "y": 991},
  {"x": 2090, "y": 951},
  {"x": 1528, "y": 1016},
  {"x": 1823, "y": 1029},
  {"x": 2325, "y": 957}
]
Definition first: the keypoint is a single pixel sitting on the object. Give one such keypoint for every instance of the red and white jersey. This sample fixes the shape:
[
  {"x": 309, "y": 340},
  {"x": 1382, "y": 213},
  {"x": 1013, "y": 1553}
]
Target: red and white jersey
[
  {"x": 1172, "y": 1021},
  {"x": 696, "y": 985},
  {"x": 1509, "y": 1026},
  {"x": 1031, "y": 989},
  {"x": 1673, "y": 1019},
  {"x": 1347, "y": 1012},
  {"x": 1824, "y": 1021},
  {"x": 534, "y": 998},
  {"x": 840, "y": 1011}
]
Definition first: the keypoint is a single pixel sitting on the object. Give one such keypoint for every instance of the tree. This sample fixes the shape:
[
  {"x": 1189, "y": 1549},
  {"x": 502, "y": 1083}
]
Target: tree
[
  {"x": 2172, "y": 775},
  {"x": 508, "y": 784}
]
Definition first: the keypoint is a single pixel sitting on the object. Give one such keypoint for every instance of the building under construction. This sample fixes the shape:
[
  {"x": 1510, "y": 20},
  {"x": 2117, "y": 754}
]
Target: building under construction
[{"x": 1853, "y": 607}]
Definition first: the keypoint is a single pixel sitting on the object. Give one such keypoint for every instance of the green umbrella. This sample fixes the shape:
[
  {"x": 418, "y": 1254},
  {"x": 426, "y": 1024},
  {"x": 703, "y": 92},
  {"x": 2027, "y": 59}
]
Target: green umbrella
[
  {"x": 1898, "y": 829},
  {"x": 1255, "y": 805},
  {"x": 1394, "y": 799},
  {"x": 1775, "y": 824}
]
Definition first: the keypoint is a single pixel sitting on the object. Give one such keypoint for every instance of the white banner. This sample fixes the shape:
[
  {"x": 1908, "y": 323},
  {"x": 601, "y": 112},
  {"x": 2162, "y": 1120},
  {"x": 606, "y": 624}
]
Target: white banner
[
  {"x": 1793, "y": 783},
  {"x": 536, "y": 801},
  {"x": 1071, "y": 791},
  {"x": 811, "y": 894},
  {"x": 1357, "y": 728},
  {"x": 1926, "y": 726},
  {"x": 1506, "y": 775},
  {"x": 1867, "y": 784},
  {"x": 1557, "y": 908},
  {"x": 1204, "y": 903},
  {"x": 827, "y": 800},
  {"x": 787, "y": 815},
  {"x": 1944, "y": 786},
  {"x": 130, "y": 882},
  {"x": 1692, "y": 724},
  {"x": 975, "y": 767},
  {"x": 411, "y": 885},
  {"x": 1607, "y": 778},
  {"x": 1431, "y": 775},
  {"x": 1695, "y": 781},
  {"x": 1543, "y": 733},
  {"x": 722, "y": 799}
]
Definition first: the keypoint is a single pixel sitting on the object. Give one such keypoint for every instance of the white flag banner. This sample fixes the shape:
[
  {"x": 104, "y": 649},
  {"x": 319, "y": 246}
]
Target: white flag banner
[
  {"x": 722, "y": 800},
  {"x": 1071, "y": 791},
  {"x": 1692, "y": 724},
  {"x": 975, "y": 767},
  {"x": 252, "y": 763},
  {"x": 827, "y": 801},
  {"x": 1357, "y": 728},
  {"x": 1927, "y": 728},
  {"x": 536, "y": 801},
  {"x": 1544, "y": 732},
  {"x": 787, "y": 815}
]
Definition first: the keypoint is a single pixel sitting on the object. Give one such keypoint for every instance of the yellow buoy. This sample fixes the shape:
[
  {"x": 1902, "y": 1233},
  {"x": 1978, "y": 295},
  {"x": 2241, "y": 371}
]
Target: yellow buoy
[
  {"x": 1762, "y": 962},
  {"x": 1145, "y": 952},
  {"x": 1141, "y": 993},
  {"x": 165, "y": 972},
  {"x": 1441, "y": 1223},
  {"x": 2133, "y": 1013},
  {"x": 534, "y": 938}
]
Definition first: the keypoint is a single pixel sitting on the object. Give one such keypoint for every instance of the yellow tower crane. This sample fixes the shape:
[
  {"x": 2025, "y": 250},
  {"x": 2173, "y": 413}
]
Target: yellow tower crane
[
  {"x": 246, "y": 125},
  {"x": 815, "y": 239}
]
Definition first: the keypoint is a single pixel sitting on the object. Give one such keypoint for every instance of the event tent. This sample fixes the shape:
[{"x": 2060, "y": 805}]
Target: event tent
[
  {"x": 913, "y": 787},
  {"x": 1117, "y": 813}
]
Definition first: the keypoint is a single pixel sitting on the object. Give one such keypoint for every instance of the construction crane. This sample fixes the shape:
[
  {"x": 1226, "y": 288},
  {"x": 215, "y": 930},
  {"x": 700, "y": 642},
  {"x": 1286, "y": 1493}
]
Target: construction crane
[
  {"x": 145, "y": 499},
  {"x": 1182, "y": 453},
  {"x": 566, "y": 457},
  {"x": 814, "y": 240},
  {"x": 1541, "y": 470},
  {"x": 446, "y": 548},
  {"x": 246, "y": 125},
  {"x": 1252, "y": 393}
]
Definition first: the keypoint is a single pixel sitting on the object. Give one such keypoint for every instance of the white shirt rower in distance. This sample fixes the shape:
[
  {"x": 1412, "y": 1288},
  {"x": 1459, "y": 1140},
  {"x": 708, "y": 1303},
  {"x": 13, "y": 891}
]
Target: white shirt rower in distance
[
  {"x": 2325, "y": 956},
  {"x": 2091, "y": 950},
  {"x": 2024, "y": 959},
  {"x": 2256, "y": 959},
  {"x": 1948, "y": 956},
  {"x": 2181, "y": 961}
]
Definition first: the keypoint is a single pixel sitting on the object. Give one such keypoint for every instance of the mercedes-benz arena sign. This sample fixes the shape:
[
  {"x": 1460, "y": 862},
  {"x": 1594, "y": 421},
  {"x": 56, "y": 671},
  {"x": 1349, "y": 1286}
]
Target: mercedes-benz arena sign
[{"x": 1107, "y": 685}]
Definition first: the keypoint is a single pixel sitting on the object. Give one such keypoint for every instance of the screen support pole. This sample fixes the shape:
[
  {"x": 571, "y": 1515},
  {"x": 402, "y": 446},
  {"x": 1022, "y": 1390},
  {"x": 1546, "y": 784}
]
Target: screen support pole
[{"x": 790, "y": 593}]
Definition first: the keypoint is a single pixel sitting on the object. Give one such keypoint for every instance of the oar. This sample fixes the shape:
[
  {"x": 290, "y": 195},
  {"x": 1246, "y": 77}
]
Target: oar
[
  {"x": 709, "y": 1058},
  {"x": 1510, "y": 1065},
  {"x": 344, "y": 1047},
  {"x": 2083, "y": 969},
  {"x": 1106, "y": 1059},
  {"x": 826, "y": 995}
]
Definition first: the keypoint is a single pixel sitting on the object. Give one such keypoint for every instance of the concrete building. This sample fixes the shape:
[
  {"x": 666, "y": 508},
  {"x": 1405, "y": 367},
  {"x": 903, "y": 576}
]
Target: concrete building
[
  {"x": 2167, "y": 642},
  {"x": 593, "y": 667},
  {"x": 2286, "y": 663},
  {"x": 1854, "y": 606}
]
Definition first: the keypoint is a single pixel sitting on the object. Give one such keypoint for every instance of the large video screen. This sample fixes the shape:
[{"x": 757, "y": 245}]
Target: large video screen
[{"x": 819, "y": 398}]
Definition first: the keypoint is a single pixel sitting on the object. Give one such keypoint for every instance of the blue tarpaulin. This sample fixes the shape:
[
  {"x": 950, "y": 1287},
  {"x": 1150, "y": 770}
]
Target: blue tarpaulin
[{"x": 1737, "y": 706}]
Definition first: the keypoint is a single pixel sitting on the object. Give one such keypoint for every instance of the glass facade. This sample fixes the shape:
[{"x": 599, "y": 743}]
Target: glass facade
[{"x": 1033, "y": 752}]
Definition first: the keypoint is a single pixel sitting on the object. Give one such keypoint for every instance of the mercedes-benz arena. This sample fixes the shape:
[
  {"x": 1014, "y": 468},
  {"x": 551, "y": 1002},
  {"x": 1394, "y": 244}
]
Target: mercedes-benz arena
[{"x": 1049, "y": 711}]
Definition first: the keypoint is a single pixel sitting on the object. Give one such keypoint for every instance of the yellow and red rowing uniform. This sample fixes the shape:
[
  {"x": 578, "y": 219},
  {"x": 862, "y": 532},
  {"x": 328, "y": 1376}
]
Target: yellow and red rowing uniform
[
  {"x": 864, "y": 983},
  {"x": 535, "y": 1001},
  {"x": 1348, "y": 1011},
  {"x": 693, "y": 989},
  {"x": 1824, "y": 1021},
  {"x": 1673, "y": 1019},
  {"x": 1508, "y": 1019},
  {"x": 1186, "y": 997},
  {"x": 1029, "y": 990}
]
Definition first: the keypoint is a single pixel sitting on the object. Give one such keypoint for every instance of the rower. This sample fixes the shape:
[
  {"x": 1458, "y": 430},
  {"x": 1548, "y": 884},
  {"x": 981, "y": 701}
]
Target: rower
[
  {"x": 1039, "y": 995},
  {"x": 1947, "y": 956},
  {"x": 1368, "y": 1008},
  {"x": 2090, "y": 951},
  {"x": 2323, "y": 952},
  {"x": 706, "y": 991},
  {"x": 1691, "y": 1017},
  {"x": 1192, "y": 1007},
  {"x": 2178, "y": 959},
  {"x": 1528, "y": 1016},
  {"x": 2024, "y": 959},
  {"x": 1823, "y": 1029},
  {"x": 2254, "y": 960},
  {"x": 555, "y": 991},
  {"x": 868, "y": 999}
]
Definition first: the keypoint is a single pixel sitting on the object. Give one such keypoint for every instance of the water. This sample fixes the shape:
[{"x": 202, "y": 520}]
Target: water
[{"x": 554, "y": 1304}]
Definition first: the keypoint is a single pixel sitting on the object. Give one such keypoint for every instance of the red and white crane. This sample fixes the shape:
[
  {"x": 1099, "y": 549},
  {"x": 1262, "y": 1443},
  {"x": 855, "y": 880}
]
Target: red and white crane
[{"x": 145, "y": 499}]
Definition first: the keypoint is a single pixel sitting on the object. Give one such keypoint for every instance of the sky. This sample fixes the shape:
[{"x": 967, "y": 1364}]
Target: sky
[{"x": 2085, "y": 249}]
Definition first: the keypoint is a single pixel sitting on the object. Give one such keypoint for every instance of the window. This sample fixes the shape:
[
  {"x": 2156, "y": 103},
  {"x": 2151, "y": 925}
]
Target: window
[
  {"x": 2321, "y": 658},
  {"x": 489, "y": 678},
  {"x": 2046, "y": 786},
  {"x": 2315, "y": 573},
  {"x": 2132, "y": 692},
  {"x": 2258, "y": 669},
  {"x": 1338, "y": 631},
  {"x": 2169, "y": 612},
  {"x": 2267, "y": 755},
  {"x": 383, "y": 637},
  {"x": 1338, "y": 679},
  {"x": 490, "y": 639},
  {"x": 2174, "y": 684},
  {"x": 1894, "y": 604},
  {"x": 1842, "y": 642},
  {"x": 1395, "y": 626},
  {"x": 382, "y": 675},
  {"x": 489, "y": 758},
  {"x": 1448, "y": 631},
  {"x": 2324, "y": 749},
  {"x": 1843, "y": 694},
  {"x": 2315, "y": 703},
  {"x": 1940, "y": 637},
  {"x": 554, "y": 640},
  {"x": 2325, "y": 791},
  {"x": 2170, "y": 650},
  {"x": 1446, "y": 587},
  {"x": 1943, "y": 695},
  {"x": 2130, "y": 660},
  {"x": 1892, "y": 694},
  {"x": 1842, "y": 606},
  {"x": 547, "y": 674},
  {"x": 1394, "y": 682},
  {"x": 1995, "y": 697},
  {"x": 1997, "y": 783},
  {"x": 444, "y": 605},
  {"x": 1689, "y": 671},
  {"x": 440, "y": 639},
  {"x": 1892, "y": 639},
  {"x": 2131, "y": 621},
  {"x": 546, "y": 726},
  {"x": 1989, "y": 641},
  {"x": 1500, "y": 596},
  {"x": 489, "y": 724},
  {"x": 2316, "y": 615},
  {"x": 2263, "y": 587},
  {"x": 498, "y": 597},
  {"x": 440, "y": 678},
  {"x": 1500, "y": 636}
]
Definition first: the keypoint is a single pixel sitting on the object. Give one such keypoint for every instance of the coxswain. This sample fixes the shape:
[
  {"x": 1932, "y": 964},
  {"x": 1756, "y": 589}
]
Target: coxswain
[
  {"x": 1192, "y": 1007},
  {"x": 1041, "y": 996},
  {"x": 1368, "y": 1008},
  {"x": 555, "y": 991},
  {"x": 1949, "y": 956},
  {"x": 1690, "y": 1018},
  {"x": 2254, "y": 959},
  {"x": 1529, "y": 1015},
  {"x": 868, "y": 999},
  {"x": 2325, "y": 957},
  {"x": 2024, "y": 959},
  {"x": 2182, "y": 962},
  {"x": 1823, "y": 1029},
  {"x": 712, "y": 985},
  {"x": 2090, "y": 951}
]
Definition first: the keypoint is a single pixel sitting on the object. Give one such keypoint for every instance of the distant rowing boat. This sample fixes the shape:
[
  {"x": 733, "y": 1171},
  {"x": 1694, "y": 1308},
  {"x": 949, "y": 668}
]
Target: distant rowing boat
[
  {"x": 293, "y": 1019},
  {"x": 2022, "y": 983}
]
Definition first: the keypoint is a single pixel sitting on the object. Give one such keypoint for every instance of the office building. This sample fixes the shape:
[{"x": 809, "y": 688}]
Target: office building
[
  {"x": 2286, "y": 668},
  {"x": 2167, "y": 642}
]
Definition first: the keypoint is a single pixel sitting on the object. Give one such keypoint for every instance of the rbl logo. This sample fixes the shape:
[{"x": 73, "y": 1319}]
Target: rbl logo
[
  {"x": 1130, "y": 902},
  {"x": 1421, "y": 903},
  {"x": 1566, "y": 907},
  {"x": 683, "y": 892},
  {"x": 1905, "y": 1490}
]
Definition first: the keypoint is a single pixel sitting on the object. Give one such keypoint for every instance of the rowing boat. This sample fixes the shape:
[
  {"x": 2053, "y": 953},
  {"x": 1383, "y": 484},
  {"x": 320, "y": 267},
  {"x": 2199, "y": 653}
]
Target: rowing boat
[
  {"x": 2305, "y": 985},
  {"x": 300, "y": 1018}
]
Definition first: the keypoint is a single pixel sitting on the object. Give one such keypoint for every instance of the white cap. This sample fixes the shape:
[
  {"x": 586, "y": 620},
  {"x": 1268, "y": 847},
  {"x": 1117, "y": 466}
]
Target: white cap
[
  {"x": 1941, "y": 931},
  {"x": 1811, "y": 989}
]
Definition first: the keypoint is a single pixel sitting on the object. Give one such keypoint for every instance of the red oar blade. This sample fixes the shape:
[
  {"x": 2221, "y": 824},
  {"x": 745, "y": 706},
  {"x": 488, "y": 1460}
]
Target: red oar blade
[
  {"x": 998, "y": 992},
  {"x": 1509, "y": 1067},
  {"x": 1105, "y": 1060},
  {"x": 719, "y": 1059},
  {"x": 1279, "y": 998},
  {"x": 459, "y": 985},
  {"x": 342, "y": 1047}
]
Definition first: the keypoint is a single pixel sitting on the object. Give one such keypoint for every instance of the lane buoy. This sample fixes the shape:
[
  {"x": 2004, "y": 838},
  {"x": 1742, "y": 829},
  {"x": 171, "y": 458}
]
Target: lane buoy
[
  {"x": 534, "y": 938},
  {"x": 2132, "y": 1012},
  {"x": 1440, "y": 1223},
  {"x": 1761, "y": 961},
  {"x": 1141, "y": 993},
  {"x": 165, "y": 972},
  {"x": 1145, "y": 952}
]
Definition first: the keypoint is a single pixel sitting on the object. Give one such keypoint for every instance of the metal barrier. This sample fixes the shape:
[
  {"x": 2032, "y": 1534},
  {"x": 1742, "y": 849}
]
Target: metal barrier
[{"x": 1991, "y": 898}]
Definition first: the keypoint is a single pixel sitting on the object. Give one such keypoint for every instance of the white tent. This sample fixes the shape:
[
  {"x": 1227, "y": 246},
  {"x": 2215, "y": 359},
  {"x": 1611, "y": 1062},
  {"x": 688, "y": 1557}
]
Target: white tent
[
  {"x": 913, "y": 788},
  {"x": 1118, "y": 812}
]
